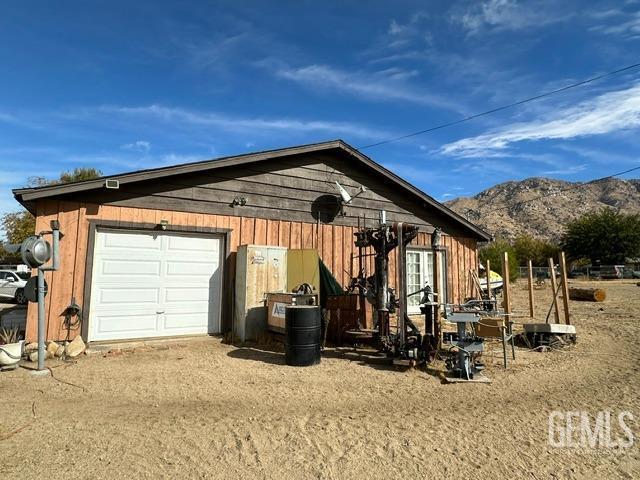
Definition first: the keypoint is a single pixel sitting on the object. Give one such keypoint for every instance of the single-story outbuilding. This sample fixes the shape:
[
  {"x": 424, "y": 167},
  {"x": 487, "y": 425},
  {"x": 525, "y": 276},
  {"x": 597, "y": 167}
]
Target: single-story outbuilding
[{"x": 155, "y": 256}]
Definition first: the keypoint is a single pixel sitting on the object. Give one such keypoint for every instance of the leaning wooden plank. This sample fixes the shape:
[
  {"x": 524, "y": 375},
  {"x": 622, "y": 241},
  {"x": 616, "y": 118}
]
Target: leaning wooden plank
[
  {"x": 554, "y": 290},
  {"x": 587, "y": 294},
  {"x": 565, "y": 289}
]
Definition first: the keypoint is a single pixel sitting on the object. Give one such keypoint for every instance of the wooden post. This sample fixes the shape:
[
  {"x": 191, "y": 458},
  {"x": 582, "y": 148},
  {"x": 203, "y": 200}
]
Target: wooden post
[
  {"x": 531, "y": 305},
  {"x": 506, "y": 296},
  {"x": 565, "y": 288},
  {"x": 554, "y": 290},
  {"x": 488, "y": 267}
]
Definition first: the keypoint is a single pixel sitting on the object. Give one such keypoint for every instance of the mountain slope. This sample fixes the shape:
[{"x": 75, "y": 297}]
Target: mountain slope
[{"x": 548, "y": 205}]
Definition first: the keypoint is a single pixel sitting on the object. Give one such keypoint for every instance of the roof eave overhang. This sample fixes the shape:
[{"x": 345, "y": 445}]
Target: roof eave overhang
[{"x": 27, "y": 197}]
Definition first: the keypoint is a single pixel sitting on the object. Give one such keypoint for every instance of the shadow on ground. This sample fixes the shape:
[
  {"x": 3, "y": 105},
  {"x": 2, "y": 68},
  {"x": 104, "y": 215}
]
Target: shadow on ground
[{"x": 258, "y": 355}]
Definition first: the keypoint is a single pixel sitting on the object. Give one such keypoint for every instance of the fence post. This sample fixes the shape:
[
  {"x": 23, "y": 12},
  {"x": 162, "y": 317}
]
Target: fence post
[
  {"x": 565, "y": 288},
  {"x": 531, "y": 306}
]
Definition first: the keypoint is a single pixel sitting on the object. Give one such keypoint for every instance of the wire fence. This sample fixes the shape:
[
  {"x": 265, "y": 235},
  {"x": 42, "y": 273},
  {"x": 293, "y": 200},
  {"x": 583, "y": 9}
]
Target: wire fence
[{"x": 600, "y": 272}]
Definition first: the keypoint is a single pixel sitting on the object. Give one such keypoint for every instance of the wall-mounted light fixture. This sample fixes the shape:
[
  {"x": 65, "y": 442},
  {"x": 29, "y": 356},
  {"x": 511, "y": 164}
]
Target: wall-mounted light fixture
[
  {"x": 239, "y": 201},
  {"x": 163, "y": 224},
  {"x": 112, "y": 184}
]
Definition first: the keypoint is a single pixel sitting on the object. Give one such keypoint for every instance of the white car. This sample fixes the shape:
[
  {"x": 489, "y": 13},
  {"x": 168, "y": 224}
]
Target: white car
[{"x": 12, "y": 285}]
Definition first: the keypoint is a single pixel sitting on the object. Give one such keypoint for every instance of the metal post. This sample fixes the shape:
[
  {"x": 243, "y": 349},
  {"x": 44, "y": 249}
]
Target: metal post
[
  {"x": 506, "y": 297},
  {"x": 382, "y": 277},
  {"x": 437, "y": 295},
  {"x": 41, "y": 320},
  {"x": 463, "y": 357},
  {"x": 402, "y": 284},
  {"x": 362, "y": 314},
  {"x": 503, "y": 329},
  {"x": 55, "y": 265}
]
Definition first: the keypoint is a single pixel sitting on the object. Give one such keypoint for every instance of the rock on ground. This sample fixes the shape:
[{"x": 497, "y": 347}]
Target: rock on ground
[{"x": 76, "y": 347}]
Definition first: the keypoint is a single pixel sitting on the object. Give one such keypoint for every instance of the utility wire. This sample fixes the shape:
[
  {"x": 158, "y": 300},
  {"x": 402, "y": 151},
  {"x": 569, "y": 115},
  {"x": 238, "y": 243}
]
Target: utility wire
[{"x": 504, "y": 107}]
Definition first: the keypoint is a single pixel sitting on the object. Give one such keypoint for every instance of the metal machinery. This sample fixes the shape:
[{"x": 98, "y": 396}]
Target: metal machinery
[
  {"x": 465, "y": 346},
  {"x": 405, "y": 343}
]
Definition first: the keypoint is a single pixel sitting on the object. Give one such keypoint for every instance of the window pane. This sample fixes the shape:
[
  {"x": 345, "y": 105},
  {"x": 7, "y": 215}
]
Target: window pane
[
  {"x": 420, "y": 271},
  {"x": 413, "y": 278}
]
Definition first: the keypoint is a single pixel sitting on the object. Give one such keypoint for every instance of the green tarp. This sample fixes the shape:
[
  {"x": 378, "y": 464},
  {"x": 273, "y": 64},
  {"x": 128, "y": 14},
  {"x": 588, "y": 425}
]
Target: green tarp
[{"x": 328, "y": 284}]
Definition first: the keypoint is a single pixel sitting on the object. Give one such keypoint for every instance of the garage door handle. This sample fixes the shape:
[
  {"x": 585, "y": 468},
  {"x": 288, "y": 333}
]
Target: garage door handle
[{"x": 160, "y": 312}]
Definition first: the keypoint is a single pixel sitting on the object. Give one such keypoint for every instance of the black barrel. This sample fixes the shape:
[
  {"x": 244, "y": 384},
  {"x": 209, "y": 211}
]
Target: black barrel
[{"x": 303, "y": 332}]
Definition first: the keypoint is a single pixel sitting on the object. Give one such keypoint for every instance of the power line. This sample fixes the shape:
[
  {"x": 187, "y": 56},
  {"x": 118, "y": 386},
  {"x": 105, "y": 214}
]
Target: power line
[{"x": 504, "y": 107}]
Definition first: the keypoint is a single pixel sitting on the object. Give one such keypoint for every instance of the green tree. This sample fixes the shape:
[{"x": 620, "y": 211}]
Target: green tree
[
  {"x": 535, "y": 249},
  {"x": 607, "y": 237},
  {"x": 79, "y": 174},
  {"x": 494, "y": 252},
  {"x": 19, "y": 225}
]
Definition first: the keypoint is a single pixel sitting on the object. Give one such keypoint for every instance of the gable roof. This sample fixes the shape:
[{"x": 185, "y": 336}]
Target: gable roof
[{"x": 28, "y": 196}]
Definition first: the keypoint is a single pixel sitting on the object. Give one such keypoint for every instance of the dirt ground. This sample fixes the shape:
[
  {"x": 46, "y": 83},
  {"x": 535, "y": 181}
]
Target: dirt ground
[{"x": 204, "y": 409}]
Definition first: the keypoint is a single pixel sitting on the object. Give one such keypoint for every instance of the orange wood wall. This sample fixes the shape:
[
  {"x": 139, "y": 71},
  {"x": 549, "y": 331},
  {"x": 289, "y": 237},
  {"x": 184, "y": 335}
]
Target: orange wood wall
[{"x": 335, "y": 245}]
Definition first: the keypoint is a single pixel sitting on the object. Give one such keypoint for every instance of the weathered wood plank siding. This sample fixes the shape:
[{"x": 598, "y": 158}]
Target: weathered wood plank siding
[
  {"x": 288, "y": 202},
  {"x": 292, "y": 190},
  {"x": 334, "y": 243}
]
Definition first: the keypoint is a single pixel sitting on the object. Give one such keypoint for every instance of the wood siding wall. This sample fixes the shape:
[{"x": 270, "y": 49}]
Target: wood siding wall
[
  {"x": 285, "y": 189},
  {"x": 335, "y": 244}
]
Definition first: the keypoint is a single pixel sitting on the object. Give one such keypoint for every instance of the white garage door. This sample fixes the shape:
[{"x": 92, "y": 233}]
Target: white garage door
[{"x": 154, "y": 284}]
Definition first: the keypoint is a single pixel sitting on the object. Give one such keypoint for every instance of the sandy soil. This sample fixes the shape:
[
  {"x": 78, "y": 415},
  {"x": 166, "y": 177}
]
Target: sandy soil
[{"x": 203, "y": 409}]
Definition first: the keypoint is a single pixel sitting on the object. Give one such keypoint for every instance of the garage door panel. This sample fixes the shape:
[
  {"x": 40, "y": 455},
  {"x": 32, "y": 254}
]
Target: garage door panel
[
  {"x": 125, "y": 325},
  {"x": 130, "y": 268},
  {"x": 185, "y": 321},
  {"x": 128, "y": 297},
  {"x": 131, "y": 241},
  {"x": 190, "y": 269},
  {"x": 189, "y": 244},
  {"x": 187, "y": 294},
  {"x": 153, "y": 285}
]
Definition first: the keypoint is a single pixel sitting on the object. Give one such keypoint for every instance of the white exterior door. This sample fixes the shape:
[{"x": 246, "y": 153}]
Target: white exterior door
[
  {"x": 420, "y": 272},
  {"x": 154, "y": 284}
]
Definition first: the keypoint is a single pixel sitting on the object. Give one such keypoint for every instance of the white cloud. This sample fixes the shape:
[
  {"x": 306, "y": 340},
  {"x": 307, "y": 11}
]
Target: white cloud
[
  {"x": 385, "y": 85},
  {"x": 624, "y": 24},
  {"x": 254, "y": 125},
  {"x": 141, "y": 146},
  {"x": 606, "y": 113},
  {"x": 416, "y": 29},
  {"x": 506, "y": 15},
  {"x": 566, "y": 171},
  {"x": 5, "y": 117}
]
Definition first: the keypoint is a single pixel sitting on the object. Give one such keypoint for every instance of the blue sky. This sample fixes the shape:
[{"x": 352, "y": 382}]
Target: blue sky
[{"x": 128, "y": 85}]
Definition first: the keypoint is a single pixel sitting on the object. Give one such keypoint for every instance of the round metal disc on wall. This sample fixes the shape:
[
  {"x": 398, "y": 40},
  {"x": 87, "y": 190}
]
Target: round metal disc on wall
[{"x": 31, "y": 289}]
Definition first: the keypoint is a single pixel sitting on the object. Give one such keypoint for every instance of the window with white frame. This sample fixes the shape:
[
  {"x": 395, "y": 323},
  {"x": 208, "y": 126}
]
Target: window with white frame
[{"x": 419, "y": 272}]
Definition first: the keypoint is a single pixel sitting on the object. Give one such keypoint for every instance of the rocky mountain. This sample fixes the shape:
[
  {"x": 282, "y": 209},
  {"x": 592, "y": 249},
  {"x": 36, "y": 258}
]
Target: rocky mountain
[{"x": 542, "y": 206}]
